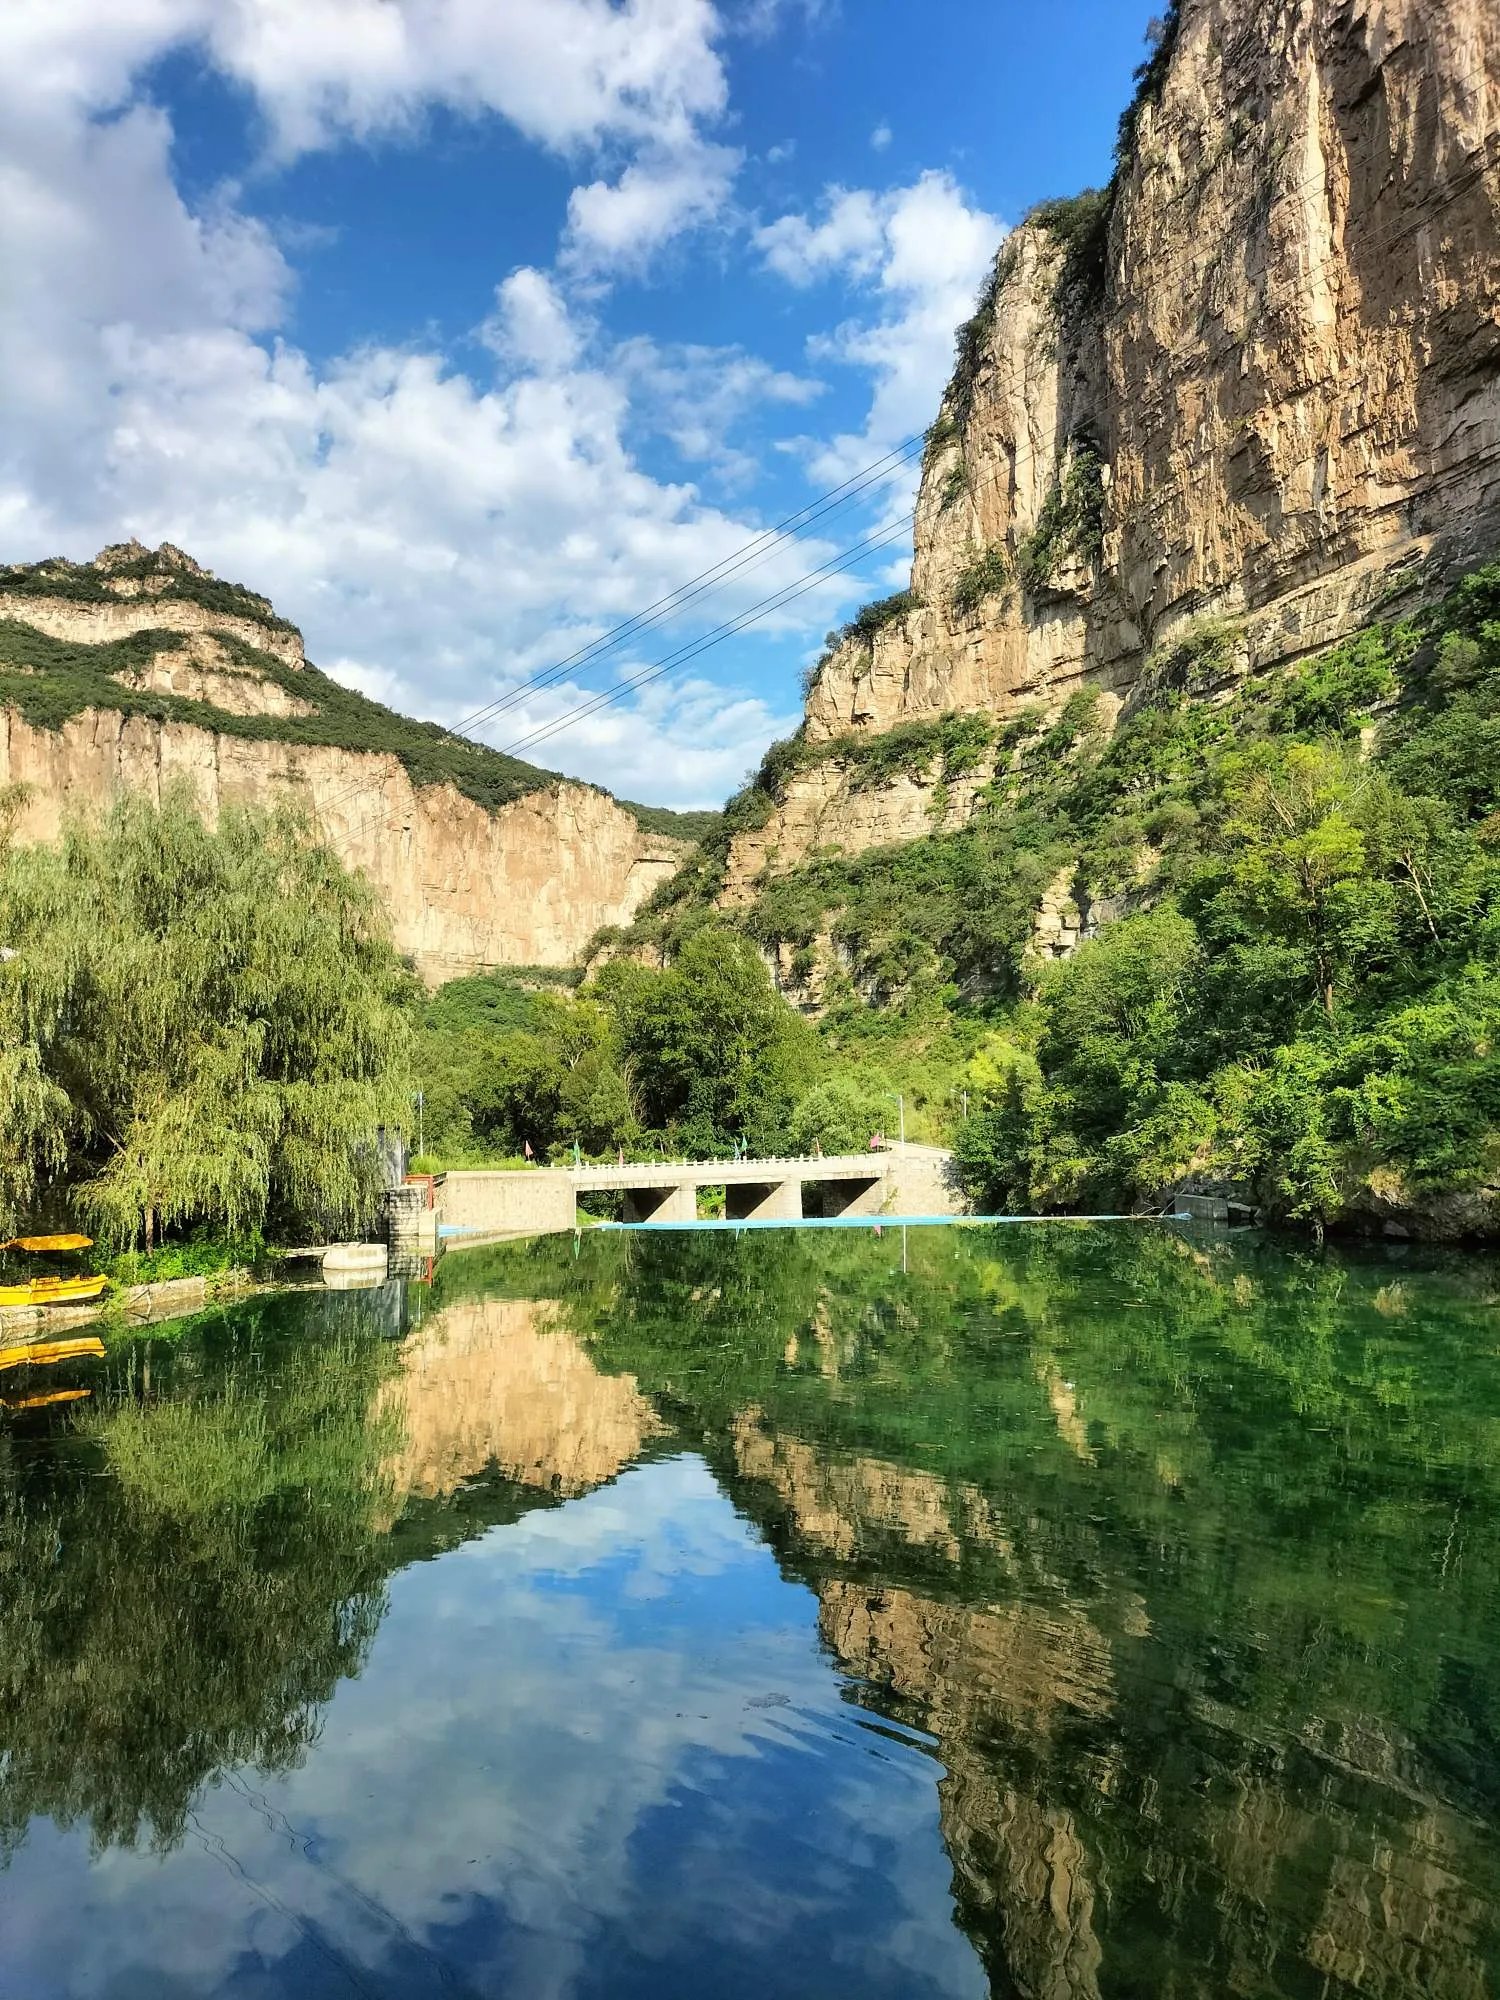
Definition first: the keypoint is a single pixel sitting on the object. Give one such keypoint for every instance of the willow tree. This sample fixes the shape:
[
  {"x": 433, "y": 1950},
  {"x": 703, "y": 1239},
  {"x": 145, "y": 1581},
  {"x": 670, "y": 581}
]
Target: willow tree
[{"x": 197, "y": 1026}]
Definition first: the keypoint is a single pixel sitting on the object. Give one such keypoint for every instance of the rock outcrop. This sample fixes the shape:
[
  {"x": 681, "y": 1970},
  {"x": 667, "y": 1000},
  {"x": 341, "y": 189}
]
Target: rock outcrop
[
  {"x": 173, "y": 676},
  {"x": 1257, "y": 380}
]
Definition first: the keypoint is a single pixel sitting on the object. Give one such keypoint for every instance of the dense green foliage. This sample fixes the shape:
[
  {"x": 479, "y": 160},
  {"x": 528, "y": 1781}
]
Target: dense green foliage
[
  {"x": 1308, "y": 1006},
  {"x": 196, "y": 1026},
  {"x": 1300, "y": 997},
  {"x": 1080, "y": 223},
  {"x": 690, "y": 1060}
]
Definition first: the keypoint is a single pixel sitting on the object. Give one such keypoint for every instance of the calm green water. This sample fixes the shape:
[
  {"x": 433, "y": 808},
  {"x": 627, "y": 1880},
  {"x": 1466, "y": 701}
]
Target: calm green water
[{"x": 1059, "y": 1612}]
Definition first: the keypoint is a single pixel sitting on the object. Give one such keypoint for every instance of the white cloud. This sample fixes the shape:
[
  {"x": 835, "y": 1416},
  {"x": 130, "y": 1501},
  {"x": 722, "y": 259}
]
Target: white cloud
[
  {"x": 438, "y": 536},
  {"x": 916, "y": 255},
  {"x": 638, "y": 79},
  {"x": 847, "y": 240},
  {"x": 531, "y": 326},
  {"x": 567, "y": 73},
  {"x": 620, "y": 225},
  {"x": 880, "y": 138}
]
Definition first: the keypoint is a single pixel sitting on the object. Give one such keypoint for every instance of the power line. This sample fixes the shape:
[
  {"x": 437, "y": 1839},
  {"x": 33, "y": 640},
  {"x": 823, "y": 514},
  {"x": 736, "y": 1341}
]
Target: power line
[
  {"x": 845, "y": 559},
  {"x": 588, "y": 708},
  {"x": 643, "y": 679},
  {"x": 707, "y": 582},
  {"x": 712, "y": 578}
]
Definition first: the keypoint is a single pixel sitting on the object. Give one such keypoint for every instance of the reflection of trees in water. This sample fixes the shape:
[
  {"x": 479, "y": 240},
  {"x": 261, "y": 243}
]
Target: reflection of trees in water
[
  {"x": 195, "y": 1608},
  {"x": 1186, "y": 1557}
]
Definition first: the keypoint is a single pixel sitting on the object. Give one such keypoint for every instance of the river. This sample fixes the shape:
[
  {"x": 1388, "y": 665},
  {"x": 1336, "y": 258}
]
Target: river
[{"x": 1064, "y": 1612}]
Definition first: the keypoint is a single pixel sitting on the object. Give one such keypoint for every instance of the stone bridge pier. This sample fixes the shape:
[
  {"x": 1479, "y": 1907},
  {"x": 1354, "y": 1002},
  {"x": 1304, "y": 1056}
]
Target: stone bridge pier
[
  {"x": 763, "y": 1201},
  {"x": 677, "y": 1202}
]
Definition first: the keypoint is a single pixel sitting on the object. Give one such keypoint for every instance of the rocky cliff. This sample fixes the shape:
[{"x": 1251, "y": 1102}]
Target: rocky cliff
[
  {"x": 1253, "y": 386},
  {"x": 141, "y": 668}
]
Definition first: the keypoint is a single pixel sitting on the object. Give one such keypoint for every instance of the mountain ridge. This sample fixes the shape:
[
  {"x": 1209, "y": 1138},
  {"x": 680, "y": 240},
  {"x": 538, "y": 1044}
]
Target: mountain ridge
[{"x": 142, "y": 668}]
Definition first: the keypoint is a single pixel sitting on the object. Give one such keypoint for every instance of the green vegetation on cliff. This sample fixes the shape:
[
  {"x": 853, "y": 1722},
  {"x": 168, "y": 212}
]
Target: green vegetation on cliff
[
  {"x": 169, "y": 583},
  {"x": 49, "y": 681},
  {"x": 1297, "y": 990}
]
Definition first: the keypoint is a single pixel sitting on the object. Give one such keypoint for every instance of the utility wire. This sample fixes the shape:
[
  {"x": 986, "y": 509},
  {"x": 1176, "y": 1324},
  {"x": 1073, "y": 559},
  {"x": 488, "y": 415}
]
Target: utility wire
[
  {"x": 844, "y": 560},
  {"x": 901, "y": 453},
  {"x": 707, "y": 582},
  {"x": 643, "y": 679}
]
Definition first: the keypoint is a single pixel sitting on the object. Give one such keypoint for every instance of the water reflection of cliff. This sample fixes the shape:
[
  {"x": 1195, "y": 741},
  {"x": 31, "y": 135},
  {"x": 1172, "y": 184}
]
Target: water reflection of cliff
[
  {"x": 1109, "y": 1832},
  {"x": 499, "y": 1383}
]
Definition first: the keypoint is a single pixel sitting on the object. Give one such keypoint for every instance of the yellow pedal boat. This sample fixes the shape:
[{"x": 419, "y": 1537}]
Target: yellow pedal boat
[
  {"x": 52, "y": 1291},
  {"x": 68, "y": 1242},
  {"x": 42, "y": 1401},
  {"x": 39, "y": 1353}
]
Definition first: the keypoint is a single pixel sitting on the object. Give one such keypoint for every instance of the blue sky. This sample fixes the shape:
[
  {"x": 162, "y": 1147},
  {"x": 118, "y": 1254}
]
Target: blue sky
[{"x": 465, "y": 329}]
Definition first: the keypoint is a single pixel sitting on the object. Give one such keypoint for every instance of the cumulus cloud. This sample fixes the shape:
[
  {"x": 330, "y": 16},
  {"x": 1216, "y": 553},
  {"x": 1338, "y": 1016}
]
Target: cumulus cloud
[
  {"x": 567, "y": 73},
  {"x": 440, "y": 537},
  {"x": 441, "y": 533},
  {"x": 531, "y": 325},
  {"x": 880, "y": 138},
  {"x": 640, "y": 80},
  {"x": 917, "y": 255},
  {"x": 620, "y": 225}
]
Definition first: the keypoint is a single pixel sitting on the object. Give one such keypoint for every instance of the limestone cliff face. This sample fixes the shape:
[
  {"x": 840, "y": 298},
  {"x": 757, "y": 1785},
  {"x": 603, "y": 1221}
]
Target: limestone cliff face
[
  {"x": 1261, "y": 382},
  {"x": 466, "y": 886}
]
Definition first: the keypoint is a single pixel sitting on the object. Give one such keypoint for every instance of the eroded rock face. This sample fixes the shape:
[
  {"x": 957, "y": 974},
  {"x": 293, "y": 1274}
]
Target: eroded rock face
[
  {"x": 201, "y": 670},
  {"x": 1291, "y": 380},
  {"x": 1279, "y": 404},
  {"x": 466, "y": 887},
  {"x": 98, "y": 624}
]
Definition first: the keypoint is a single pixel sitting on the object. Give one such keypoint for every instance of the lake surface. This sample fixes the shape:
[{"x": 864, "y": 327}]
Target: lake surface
[{"x": 1070, "y": 1611}]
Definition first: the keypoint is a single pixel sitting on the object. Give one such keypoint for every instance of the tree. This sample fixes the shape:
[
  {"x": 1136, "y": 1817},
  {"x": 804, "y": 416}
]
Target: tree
[
  {"x": 839, "y": 1115},
  {"x": 1297, "y": 855},
  {"x": 711, "y": 1049},
  {"x": 200, "y": 1026}
]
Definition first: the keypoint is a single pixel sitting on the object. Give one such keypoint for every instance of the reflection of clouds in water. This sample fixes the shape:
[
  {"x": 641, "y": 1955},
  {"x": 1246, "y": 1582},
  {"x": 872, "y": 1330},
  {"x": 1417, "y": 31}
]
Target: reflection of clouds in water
[{"x": 560, "y": 1771}]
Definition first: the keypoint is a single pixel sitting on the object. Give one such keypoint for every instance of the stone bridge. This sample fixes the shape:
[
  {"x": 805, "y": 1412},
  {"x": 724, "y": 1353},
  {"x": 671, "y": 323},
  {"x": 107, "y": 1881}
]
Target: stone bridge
[{"x": 900, "y": 1180}]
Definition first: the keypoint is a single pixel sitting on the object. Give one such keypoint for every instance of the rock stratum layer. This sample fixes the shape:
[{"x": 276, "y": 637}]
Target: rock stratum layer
[
  {"x": 1258, "y": 379},
  {"x": 140, "y": 670}
]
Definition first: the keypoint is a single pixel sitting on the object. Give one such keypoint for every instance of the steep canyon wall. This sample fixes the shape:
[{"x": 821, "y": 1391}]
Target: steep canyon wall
[{"x": 1257, "y": 380}]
